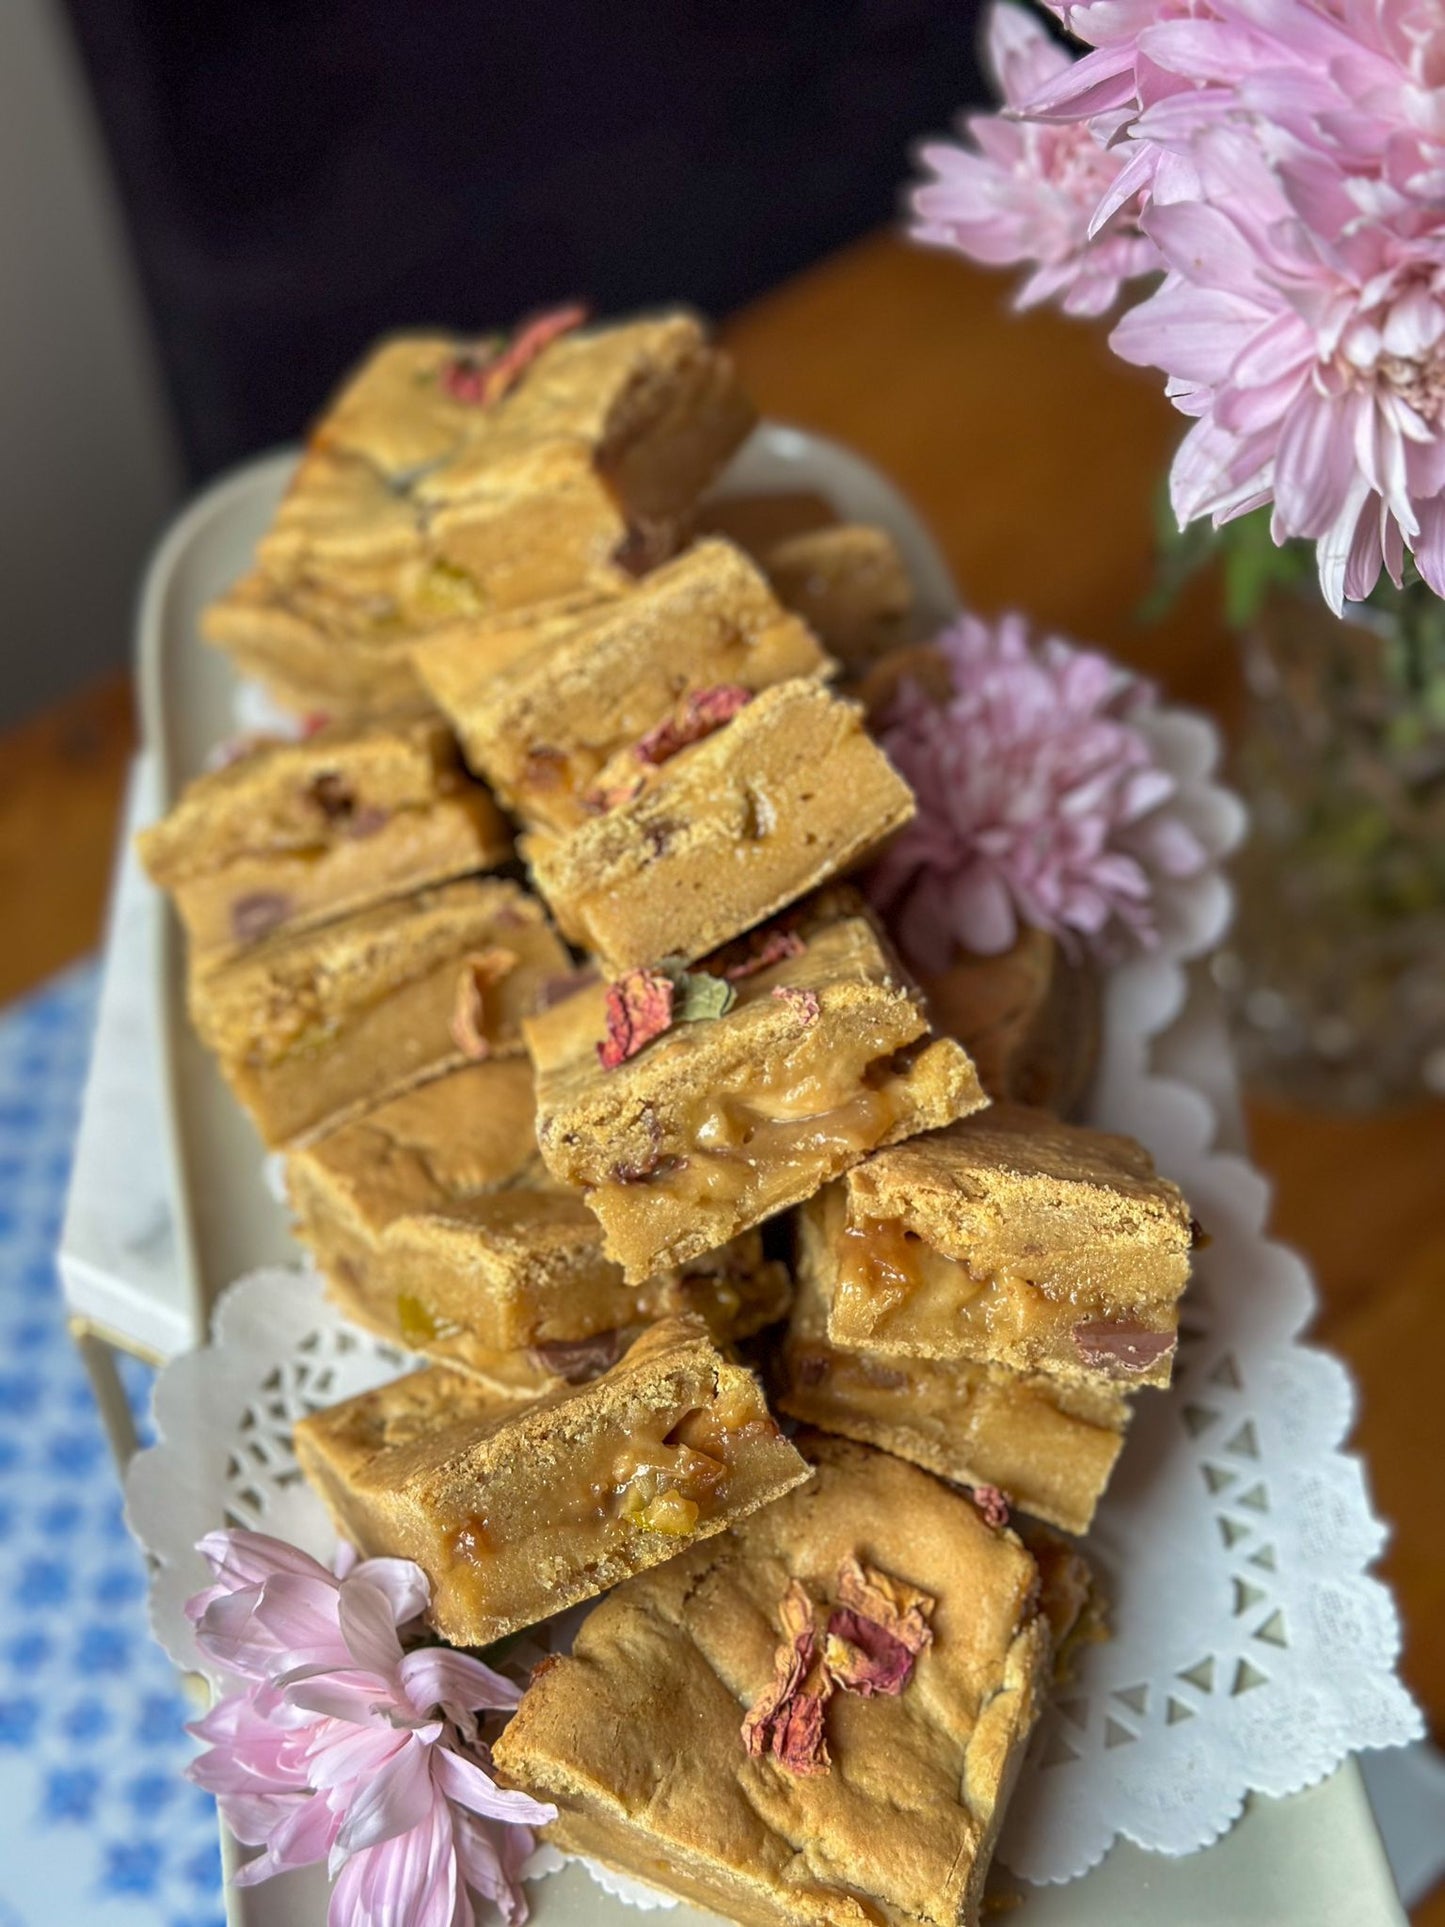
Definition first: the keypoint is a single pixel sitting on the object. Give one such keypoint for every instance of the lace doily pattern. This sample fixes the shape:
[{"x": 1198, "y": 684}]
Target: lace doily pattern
[{"x": 1251, "y": 1649}]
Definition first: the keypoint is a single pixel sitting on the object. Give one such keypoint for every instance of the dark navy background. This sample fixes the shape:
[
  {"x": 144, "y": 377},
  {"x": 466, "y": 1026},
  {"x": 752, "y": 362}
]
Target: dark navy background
[{"x": 301, "y": 174}]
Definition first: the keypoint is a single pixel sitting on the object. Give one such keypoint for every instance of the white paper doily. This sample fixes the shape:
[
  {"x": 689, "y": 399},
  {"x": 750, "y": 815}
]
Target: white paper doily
[{"x": 1251, "y": 1649}]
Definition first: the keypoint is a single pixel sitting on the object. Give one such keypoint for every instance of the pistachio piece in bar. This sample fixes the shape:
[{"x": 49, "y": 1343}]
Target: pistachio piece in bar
[
  {"x": 436, "y": 1224},
  {"x": 720, "y": 1122},
  {"x": 515, "y": 1512},
  {"x": 896, "y": 1820},
  {"x": 710, "y": 842},
  {"x": 1048, "y": 1444},
  {"x": 313, "y": 1025},
  {"x": 290, "y": 834},
  {"x": 1029, "y": 1019},
  {"x": 1017, "y": 1239},
  {"x": 543, "y": 701}
]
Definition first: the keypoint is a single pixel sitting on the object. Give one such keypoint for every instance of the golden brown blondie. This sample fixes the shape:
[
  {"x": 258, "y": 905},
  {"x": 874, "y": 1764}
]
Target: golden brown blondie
[
  {"x": 1047, "y": 1444},
  {"x": 709, "y": 842},
  {"x": 291, "y": 834},
  {"x": 849, "y": 584},
  {"x": 545, "y": 700},
  {"x": 435, "y": 1223},
  {"x": 638, "y": 1735},
  {"x": 459, "y": 478},
  {"x": 515, "y": 1512},
  {"x": 681, "y": 1142},
  {"x": 1019, "y": 1239},
  {"x": 314, "y": 1025}
]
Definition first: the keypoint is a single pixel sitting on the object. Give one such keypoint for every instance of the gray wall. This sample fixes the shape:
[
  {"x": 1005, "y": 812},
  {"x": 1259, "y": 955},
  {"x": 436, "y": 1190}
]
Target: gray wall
[{"x": 88, "y": 468}]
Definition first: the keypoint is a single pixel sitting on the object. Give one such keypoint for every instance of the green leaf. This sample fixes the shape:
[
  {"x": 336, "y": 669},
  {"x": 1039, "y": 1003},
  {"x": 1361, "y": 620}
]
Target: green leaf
[{"x": 696, "y": 994}]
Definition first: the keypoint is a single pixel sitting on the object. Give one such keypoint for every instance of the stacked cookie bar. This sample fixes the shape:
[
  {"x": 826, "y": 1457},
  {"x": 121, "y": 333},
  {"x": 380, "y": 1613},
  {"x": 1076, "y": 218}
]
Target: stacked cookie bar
[{"x": 752, "y": 1285}]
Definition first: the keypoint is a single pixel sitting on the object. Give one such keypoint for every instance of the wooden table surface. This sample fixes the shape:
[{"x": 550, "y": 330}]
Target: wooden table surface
[{"x": 1035, "y": 457}]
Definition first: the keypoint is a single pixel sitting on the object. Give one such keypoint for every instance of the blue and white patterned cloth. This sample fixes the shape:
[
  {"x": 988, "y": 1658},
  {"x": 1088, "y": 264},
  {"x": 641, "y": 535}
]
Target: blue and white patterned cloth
[{"x": 96, "y": 1823}]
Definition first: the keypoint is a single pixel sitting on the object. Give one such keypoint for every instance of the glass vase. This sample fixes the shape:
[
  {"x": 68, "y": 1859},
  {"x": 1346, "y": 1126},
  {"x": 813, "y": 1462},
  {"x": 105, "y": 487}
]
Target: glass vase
[{"x": 1335, "y": 972}]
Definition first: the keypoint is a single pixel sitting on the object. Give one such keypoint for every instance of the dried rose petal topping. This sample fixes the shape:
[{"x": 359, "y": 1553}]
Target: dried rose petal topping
[
  {"x": 1122, "y": 1347},
  {"x": 804, "y": 1002},
  {"x": 766, "y": 948},
  {"x": 469, "y": 1010},
  {"x": 786, "y": 1719},
  {"x": 313, "y": 722},
  {"x": 482, "y": 380},
  {"x": 879, "y": 1628},
  {"x": 992, "y": 1505},
  {"x": 639, "y": 1008},
  {"x": 703, "y": 711}
]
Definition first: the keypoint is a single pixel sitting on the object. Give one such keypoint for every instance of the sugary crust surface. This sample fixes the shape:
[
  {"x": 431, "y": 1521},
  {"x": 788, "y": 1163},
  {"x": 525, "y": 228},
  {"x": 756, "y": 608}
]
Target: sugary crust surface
[
  {"x": 1017, "y": 1189},
  {"x": 315, "y": 651},
  {"x": 542, "y": 705},
  {"x": 1018, "y": 1239},
  {"x": 790, "y": 793},
  {"x": 1048, "y": 1444},
  {"x": 281, "y": 795},
  {"x": 403, "y": 1467},
  {"x": 636, "y": 1735},
  {"x": 270, "y": 1000},
  {"x": 462, "y": 1135}
]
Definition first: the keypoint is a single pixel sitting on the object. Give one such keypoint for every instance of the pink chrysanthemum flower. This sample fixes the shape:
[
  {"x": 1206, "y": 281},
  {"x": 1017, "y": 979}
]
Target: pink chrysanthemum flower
[
  {"x": 1308, "y": 341},
  {"x": 1026, "y": 192},
  {"x": 343, "y": 1747},
  {"x": 1040, "y": 801}
]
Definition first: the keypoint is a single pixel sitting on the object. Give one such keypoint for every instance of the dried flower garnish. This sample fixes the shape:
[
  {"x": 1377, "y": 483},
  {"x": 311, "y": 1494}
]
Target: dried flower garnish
[
  {"x": 639, "y": 1008},
  {"x": 992, "y": 1505},
  {"x": 313, "y": 722},
  {"x": 786, "y": 1719},
  {"x": 701, "y": 713},
  {"x": 699, "y": 995},
  {"x": 877, "y": 1631},
  {"x": 765, "y": 948},
  {"x": 804, "y": 1002},
  {"x": 479, "y": 973},
  {"x": 482, "y": 379},
  {"x": 644, "y": 1003}
]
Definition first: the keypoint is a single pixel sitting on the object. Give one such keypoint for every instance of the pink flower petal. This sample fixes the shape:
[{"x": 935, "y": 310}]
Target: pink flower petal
[
  {"x": 397, "y": 1796},
  {"x": 469, "y": 1786},
  {"x": 437, "y": 1676},
  {"x": 401, "y": 1582}
]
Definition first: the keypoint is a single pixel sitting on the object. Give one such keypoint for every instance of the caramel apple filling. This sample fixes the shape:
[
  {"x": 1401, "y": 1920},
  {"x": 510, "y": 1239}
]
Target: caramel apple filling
[
  {"x": 896, "y": 1292},
  {"x": 752, "y": 1147},
  {"x": 668, "y": 1473}
]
